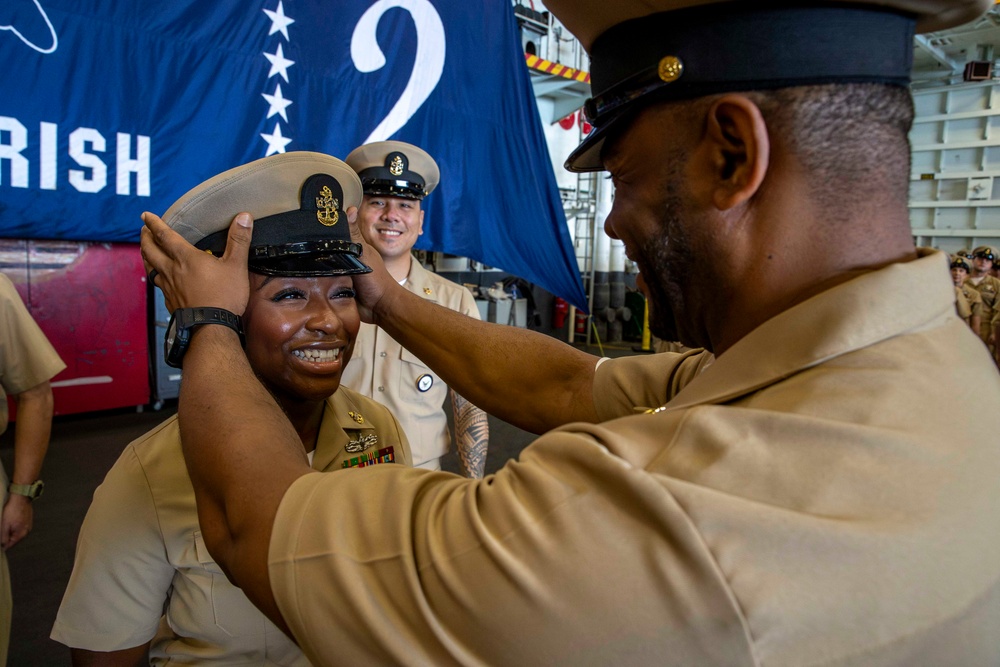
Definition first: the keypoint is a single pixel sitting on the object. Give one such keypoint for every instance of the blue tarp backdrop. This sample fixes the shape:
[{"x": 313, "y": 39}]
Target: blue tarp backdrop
[{"x": 112, "y": 107}]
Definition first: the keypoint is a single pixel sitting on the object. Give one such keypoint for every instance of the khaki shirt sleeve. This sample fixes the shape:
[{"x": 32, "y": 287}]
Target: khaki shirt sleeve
[
  {"x": 446, "y": 558},
  {"x": 626, "y": 385},
  {"x": 121, "y": 576},
  {"x": 26, "y": 357},
  {"x": 468, "y": 305}
]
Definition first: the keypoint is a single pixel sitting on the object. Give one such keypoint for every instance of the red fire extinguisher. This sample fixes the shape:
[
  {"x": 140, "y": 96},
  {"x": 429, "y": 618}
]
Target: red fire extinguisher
[
  {"x": 581, "y": 322},
  {"x": 560, "y": 309}
]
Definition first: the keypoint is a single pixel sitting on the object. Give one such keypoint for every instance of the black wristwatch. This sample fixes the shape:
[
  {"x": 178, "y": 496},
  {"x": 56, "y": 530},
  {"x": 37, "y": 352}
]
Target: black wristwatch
[
  {"x": 184, "y": 320},
  {"x": 31, "y": 491}
]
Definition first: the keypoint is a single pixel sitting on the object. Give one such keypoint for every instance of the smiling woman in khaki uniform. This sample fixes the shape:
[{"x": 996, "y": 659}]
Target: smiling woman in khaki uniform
[
  {"x": 143, "y": 578},
  {"x": 824, "y": 494}
]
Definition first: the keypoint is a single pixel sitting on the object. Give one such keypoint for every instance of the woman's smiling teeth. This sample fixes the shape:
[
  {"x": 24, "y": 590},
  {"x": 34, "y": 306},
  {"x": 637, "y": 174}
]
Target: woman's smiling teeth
[{"x": 318, "y": 355}]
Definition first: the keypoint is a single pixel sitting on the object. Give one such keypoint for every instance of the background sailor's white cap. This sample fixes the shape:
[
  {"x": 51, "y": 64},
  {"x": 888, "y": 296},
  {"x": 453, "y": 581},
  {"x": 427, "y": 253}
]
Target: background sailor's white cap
[
  {"x": 395, "y": 169},
  {"x": 644, "y": 51},
  {"x": 298, "y": 201}
]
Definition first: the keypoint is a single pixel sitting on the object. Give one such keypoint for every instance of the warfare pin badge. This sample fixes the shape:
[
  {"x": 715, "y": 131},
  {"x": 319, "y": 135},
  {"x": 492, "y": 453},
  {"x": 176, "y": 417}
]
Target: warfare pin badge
[{"x": 362, "y": 443}]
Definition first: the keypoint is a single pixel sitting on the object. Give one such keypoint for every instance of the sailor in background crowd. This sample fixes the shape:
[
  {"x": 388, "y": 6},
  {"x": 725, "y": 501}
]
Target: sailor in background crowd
[
  {"x": 988, "y": 286},
  {"x": 967, "y": 299},
  {"x": 824, "y": 493},
  {"x": 143, "y": 581},
  {"x": 396, "y": 177}
]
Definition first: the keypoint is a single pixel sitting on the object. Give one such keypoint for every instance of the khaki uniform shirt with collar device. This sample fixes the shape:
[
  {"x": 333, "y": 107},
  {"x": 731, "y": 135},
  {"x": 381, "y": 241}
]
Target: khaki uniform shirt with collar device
[
  {"x": 384, "y": 370},
  {"x": 824, "y": 493},
  {"x": 142, "y": 571}
]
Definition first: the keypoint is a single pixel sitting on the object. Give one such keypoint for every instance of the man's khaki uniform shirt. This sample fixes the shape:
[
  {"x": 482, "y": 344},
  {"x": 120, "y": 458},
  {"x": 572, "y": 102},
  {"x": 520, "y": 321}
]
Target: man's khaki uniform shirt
[
  {"x": 142, "y": 571},
  {"x": 384, "y": 370},
  {"x": 825, "y": 493}
]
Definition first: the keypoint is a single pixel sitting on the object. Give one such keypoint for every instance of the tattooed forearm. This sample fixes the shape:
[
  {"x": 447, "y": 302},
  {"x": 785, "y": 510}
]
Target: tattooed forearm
[{"x": 472, "y": 434}]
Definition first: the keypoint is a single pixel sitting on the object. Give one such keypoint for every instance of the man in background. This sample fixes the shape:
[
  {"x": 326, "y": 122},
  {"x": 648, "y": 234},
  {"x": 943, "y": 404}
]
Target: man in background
[
  {"x": 27, "y": 363},
  {"x": 396, "y": 177},
  {"x": 968, "y": 301},
  {"x": 982, "y": 280}
]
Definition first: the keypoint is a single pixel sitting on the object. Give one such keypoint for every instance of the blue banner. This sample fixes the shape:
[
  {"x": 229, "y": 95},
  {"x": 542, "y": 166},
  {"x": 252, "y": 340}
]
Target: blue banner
[{"x": 112, "y": 107}]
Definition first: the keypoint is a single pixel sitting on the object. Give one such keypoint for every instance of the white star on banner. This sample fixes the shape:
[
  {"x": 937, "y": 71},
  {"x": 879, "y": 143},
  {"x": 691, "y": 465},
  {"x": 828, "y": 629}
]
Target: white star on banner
[
  {"x": 275, "y": 142},
  {"x": 279, "y": 64},
  {"x": 279, "y": 22},
  {"x": 278, "y": 102}
]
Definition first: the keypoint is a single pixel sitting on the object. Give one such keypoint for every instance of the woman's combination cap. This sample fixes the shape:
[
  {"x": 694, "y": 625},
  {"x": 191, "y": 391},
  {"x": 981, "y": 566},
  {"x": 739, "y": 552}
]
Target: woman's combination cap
[{"x": 298, "y": 201}]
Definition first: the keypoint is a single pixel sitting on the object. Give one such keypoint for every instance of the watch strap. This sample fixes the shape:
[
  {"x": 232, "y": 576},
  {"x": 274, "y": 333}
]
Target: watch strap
[
  {"x": 210, "y": 315},
  {"x": 31, "y": 491},
  {"x": 184, "y": 321}
]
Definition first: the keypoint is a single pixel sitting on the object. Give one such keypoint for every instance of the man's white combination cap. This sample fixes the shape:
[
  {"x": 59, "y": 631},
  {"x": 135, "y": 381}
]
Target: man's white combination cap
[{"x": 395, "y": 169}]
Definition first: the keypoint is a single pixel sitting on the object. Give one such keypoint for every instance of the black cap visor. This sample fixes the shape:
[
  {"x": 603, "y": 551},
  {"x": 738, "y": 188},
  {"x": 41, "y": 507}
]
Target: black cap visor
[
  {"x": 308, "y": 259},
  {"x": 293, "y": 244},
  {"x": 381, "y": 187}
]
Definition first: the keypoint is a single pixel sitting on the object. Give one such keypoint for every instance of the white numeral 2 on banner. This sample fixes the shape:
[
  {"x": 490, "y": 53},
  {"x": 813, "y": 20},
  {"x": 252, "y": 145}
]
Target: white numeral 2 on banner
[{"x": 427, "y": 66}]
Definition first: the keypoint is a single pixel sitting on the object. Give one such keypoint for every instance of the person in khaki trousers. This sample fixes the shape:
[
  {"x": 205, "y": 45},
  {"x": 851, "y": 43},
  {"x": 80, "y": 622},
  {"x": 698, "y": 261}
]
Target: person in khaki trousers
[{"x": 27, "y": 363}]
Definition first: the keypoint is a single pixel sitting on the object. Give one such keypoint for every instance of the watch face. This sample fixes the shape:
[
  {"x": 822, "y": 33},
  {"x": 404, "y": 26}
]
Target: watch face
[
  {"x": 173, "y": 350},
  {"x": 171, "y": 334}
]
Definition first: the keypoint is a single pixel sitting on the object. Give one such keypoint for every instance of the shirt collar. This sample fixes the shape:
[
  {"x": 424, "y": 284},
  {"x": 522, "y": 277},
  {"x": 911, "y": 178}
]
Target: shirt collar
[{"x": 856, "y": 314}]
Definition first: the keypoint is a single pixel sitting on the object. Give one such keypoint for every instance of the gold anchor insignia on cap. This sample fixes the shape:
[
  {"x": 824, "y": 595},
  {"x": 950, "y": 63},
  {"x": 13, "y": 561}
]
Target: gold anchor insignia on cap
[
  {"x": 362, "y": 443},
  {"x": 670, "y": 68},
  {"x": 326, "y": 207},
  {"x": 396, "y": 166},
  {"x": 356, "y": 416}
]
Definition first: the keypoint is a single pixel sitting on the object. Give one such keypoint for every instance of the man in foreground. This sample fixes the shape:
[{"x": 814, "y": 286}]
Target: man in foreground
[{"x": 823, "y": 493}]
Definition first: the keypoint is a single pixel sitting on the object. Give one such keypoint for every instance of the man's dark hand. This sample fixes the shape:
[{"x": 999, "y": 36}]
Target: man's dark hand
[
  {"x": 191, "y": 278},
  {"x": 370, "y": 287}
]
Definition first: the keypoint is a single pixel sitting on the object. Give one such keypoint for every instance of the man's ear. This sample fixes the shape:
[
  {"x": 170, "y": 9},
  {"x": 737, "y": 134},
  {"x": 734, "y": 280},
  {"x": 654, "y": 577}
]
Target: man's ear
[{"x": 739, "y": 146}]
